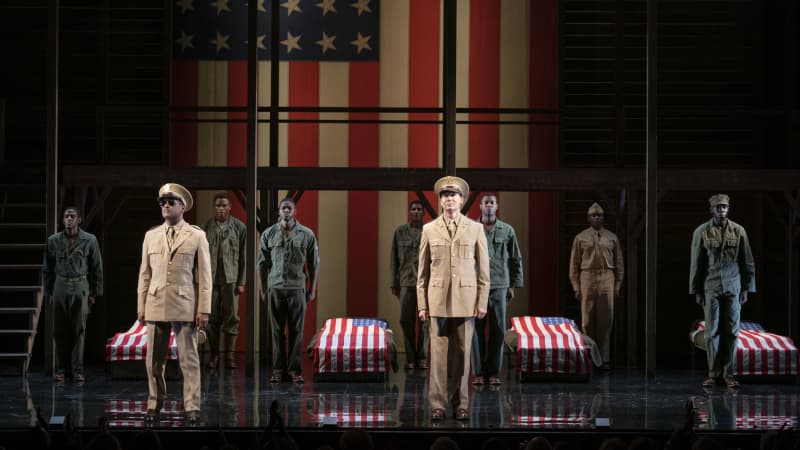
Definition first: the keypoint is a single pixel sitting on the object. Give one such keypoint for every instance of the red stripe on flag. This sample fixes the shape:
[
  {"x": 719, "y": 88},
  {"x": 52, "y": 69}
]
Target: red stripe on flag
[
  {"x": 423, "y": 87},
  {"x": 484, "y": 85},
  {"x": 303, "y": 147},
  {"x": 543, "y": 210},
  {"x": 362, "y": 228}
]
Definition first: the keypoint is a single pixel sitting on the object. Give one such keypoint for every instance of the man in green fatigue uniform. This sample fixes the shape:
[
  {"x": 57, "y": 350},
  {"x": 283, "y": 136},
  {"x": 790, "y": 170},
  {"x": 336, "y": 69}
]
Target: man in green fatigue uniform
[
  {"x": 505, "y": 272},
  {"x": 72, "y": 272},
  {"x": 226, "y": 237},
  {"x": 722, "y": 272},
  {"x": 288, "y": 262},
  {"x": 596, "y": 269},
  {"x": 405, "y": 257}
]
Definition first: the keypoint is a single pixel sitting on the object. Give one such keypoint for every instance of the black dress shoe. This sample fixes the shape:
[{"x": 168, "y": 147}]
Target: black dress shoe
[
  {"x": 437, "y": 414},
  {"x": 192, "y": 417},
  {"x": 151, "y": 416},
  {"x": 462, "y": 414}
]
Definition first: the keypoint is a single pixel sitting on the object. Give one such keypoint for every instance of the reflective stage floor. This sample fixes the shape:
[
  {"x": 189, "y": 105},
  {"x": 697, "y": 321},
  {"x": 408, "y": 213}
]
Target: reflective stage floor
[{"x": 233, "y": 400}]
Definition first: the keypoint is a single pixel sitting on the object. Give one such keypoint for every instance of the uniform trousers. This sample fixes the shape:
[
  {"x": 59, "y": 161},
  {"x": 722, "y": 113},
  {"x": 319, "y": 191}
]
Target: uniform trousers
[
  {"x": 416, "y": 345},
  {"x": 70, "y": 310},
  {"x": 722, "y": 314},
  {"x": 451, "y": 344},
  {"x": 157, "y": 347},
  {"x": 224, "y": 316},
  {"x": 487, "y": 358},
  {"x": 597, "y": 308},
  {"x": 287, "y": 309}
]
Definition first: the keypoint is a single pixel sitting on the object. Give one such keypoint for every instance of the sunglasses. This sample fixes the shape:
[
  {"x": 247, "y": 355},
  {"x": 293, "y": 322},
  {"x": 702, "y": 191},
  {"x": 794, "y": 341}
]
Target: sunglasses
[{"x": 167, "y": 201}]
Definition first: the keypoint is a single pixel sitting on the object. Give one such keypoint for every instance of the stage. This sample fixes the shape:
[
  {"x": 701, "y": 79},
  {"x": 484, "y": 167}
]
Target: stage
[{"x": 231, "y": 400}]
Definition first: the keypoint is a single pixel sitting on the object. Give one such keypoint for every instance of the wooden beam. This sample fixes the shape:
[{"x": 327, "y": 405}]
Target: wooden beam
[{"x": 410, "y": 179}]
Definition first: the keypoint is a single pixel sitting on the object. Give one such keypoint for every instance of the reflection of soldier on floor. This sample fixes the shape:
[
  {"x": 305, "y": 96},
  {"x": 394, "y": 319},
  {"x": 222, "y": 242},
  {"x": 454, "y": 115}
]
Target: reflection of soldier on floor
[
  {"x": 72, "y": 272},
  {"x": 405, "y": 258}
]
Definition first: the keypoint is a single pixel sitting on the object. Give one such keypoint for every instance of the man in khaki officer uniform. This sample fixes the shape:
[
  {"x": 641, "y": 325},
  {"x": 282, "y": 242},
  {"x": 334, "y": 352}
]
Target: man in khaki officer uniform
[
  {"x": 452, "y": 289},
  {"x": 722, "y": 272},
  {"x": 405, "y": 257},
  {"x": 288, "y": 257},
  {"x": 169, "y": 299},
  {"x": 72, "y": 272},
  {"x": 596, "y": 269},
  {"x": 226, "y": 237},
  {"x": 505, "y": 272}
]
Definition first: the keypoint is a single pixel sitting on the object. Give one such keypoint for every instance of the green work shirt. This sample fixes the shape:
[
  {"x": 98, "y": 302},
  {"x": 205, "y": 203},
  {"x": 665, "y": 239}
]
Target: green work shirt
[
  {"x": 81, "y": 259},
  {"x": 283, "y": 257},
  {"x": 405, "y": 256},
  {"x": 722, "y": 261},
  {"x": 232, "y": 241},
  {"x": 505, "y": 257}
]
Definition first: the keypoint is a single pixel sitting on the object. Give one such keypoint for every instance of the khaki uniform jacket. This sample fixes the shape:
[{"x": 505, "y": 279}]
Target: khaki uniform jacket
[
  {"x": 721, "y": 263},
  {"x": 233, "y": 250},
  {"x": 596, "y": 250},
  {"x": 453, "y": 273},
  {"x": 166, "y": 290},
  {"x": 405, "y": 256}
]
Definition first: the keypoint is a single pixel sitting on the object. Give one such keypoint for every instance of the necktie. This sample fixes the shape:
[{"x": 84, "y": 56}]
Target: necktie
[
  {"x": 170, "y": 237},
  {"x": 451, "y": 227}
]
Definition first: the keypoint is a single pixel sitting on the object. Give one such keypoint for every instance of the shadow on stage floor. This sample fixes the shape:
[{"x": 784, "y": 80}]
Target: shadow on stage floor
[{"x": 233, "y": 401}]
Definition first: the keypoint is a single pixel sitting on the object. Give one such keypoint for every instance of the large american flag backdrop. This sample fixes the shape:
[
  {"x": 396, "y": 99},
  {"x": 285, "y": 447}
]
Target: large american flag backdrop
[
  {"x": 337, "y": 53},
  {"x": 550, "y": 345}
]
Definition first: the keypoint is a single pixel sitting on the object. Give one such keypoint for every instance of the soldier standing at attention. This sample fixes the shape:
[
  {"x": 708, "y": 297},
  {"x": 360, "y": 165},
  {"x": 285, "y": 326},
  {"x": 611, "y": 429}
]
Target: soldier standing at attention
[
  {"x": 405, "y": 257},
  {"x": 721, "y": 274},
  {"x": 72, "y": 272},
  {"x": 226, "y": 237},
  {"x": 169, "y": 300},
  {"x": 452, "y": 290},
  {"x": 505, "y": 272},
  {"x": 596, "y": 269},
  {"x": 288, "y": 262}
]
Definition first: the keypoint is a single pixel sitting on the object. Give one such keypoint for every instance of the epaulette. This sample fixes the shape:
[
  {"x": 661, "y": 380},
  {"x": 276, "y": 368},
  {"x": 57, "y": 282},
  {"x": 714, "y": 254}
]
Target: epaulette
[
  {"x": 153, "y": 228},
  {"x": 197, "y": 228}
]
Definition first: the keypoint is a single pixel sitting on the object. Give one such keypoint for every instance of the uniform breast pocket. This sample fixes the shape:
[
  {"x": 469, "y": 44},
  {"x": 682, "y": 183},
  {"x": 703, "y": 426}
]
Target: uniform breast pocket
[
  {"x": 298, "y": 250},
  {"x": 712, "y": 243},
  {"x": 499, "y": 247},
  {"x": 466, "y": 251},
  {"x": 439, "y": 250},
  {"x": 154, "y": 256},
  {"x": 184, "y": 257}
]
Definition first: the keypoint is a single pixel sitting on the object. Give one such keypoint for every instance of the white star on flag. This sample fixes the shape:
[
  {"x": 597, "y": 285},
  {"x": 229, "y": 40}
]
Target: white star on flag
[
  {"x": 185, "y": 5},
  {"x": 361, "y": 6},
  {"x": 221, "y": 5},
  {"x": 291, "y": 42},
  {"x": 326, "y": 42},
  {"x": 361, "y": 43},
  {"x": 327, "y": 6},
  {"x": 292, "y": 6},
  {"x": 185, "y": 41},
  {"x": 221, "y": 41}
]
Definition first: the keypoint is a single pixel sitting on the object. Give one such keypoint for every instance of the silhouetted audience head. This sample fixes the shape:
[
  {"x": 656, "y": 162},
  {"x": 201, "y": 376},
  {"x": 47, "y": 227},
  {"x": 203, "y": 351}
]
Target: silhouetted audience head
[
  {"x": 705, "y": 443},
  {"x": 104, "y": 441},
  {"x": 495, "y": 444},
  {"x": 281, "y": 443},
  {"x": 146, "y": 439},
  {"x": 643, "y": 443},
  {"x": 444, "y": 443},
  {"x": 539, "y": 443},
  {"x": 613, "y": 444},
  {"x": 355, "y": 440}
]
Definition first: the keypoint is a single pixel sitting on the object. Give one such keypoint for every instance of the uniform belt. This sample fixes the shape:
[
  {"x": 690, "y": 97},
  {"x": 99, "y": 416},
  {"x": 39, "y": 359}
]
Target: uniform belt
[
  {"x": 71, "y": 279},
  {"x": 597, "y": 270}
]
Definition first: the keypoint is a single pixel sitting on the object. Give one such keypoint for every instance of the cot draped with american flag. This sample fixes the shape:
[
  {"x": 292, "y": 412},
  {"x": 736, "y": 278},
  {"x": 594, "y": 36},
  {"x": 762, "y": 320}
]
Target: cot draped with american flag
[
  {"x": 758, "y": 352},
  {"x": 352, "y": 345},
  {"x": 550, "y": 345},
  {"x": 131, "y": 345}
]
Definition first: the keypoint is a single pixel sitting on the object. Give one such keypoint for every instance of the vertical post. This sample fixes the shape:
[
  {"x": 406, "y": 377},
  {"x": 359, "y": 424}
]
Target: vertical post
[
  {"x": 51, "y": 181},
  {"x": 251, "y": 184},
  {"x": 449, "y": 87},
  {"x": 651, "y": 269},
  {"x": 632, "y": 274}
]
